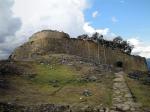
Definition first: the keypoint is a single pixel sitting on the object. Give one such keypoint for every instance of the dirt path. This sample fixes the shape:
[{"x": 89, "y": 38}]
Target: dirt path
[{"x": 122, "y": 98}]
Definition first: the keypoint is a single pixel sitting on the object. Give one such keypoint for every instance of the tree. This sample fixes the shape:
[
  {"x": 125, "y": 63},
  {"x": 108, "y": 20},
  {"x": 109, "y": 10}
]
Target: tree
[
  {"x": 126, "y": 47},
  {"x": 118, "y": 39},
  {"x": 84, "y": 36},
  {"x": 129, "y": 49},
  {"x": 123, "y": 45},
  {"x": 100, "y": 37},
  {"x": 95, "y": 36}
]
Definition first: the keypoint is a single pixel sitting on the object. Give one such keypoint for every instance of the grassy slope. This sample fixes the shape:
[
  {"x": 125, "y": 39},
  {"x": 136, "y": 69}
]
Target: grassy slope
[
  {"x": 140, "y": 91},
  {"x": 29, "y": 91}
]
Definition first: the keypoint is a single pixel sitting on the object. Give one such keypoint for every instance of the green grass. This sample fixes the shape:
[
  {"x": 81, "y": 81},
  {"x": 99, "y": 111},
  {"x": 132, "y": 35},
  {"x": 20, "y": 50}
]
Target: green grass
[
  {"x": 29, "y": 91},
  {"x": 60, "y": 73},
  {"x": 140, "y": 91}
]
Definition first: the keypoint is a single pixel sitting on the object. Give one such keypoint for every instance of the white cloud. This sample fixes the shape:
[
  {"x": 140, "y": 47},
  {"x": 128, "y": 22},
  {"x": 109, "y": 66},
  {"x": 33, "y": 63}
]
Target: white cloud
[
  {"x": 140, "y": 48},
  {"x": 62, "y": 15},
  {"x": 114, "y": 19},
  {"x": 9, "y": 25},
  {"x": 66, "y": 15},
  {"x": 94, "y": 14},
  {"x": 35, "y": 15},
  {"x": 90, "y": 30}
]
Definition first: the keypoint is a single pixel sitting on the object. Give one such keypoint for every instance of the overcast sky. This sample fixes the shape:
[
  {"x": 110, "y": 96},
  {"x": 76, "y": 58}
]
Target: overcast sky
[{"x": 19, "y": 19}]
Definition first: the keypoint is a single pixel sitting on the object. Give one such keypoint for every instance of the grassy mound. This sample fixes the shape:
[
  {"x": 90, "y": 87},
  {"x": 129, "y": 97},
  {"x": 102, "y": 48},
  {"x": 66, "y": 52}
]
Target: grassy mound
[
  {"x": 140, "y": 91},
  {"x": 57, "y": 84}
]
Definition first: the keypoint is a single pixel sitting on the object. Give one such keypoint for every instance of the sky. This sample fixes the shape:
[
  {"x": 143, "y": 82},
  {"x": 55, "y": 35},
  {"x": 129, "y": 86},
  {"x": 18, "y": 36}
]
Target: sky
[{"x": 19, "y": 19}]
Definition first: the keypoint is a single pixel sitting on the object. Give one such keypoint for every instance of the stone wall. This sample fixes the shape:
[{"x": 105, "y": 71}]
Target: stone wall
[{"x": 50, "y": 42}]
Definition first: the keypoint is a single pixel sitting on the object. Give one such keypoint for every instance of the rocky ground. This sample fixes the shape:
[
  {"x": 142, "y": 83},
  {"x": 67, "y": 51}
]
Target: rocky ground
[
  {"x": 64, "y": 83},
  {"x": 122, "y": 96},
  {"x": 51, "y": 83},
  {"x": 122, "y": 101}
]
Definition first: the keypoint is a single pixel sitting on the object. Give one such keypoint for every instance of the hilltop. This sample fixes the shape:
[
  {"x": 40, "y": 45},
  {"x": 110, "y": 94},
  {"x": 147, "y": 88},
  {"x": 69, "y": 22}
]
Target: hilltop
[
  {"x": 48, "y": 42},
  {"x": 55, "y": 73}
]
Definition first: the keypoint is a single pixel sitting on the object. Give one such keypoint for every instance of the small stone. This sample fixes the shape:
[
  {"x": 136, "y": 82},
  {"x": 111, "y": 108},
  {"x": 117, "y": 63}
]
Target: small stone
[
  {"x": 128, "y": 95},
  {"x": 118, "y": 106},
  {"x": 113, "y": 111},
  {"x": 126, "y": 107},
  {"x": 117, "y": 92},
  {"x": 132, "y": 109},
  {"x": 92, "y": 78},
  {"x": 117, "y": 80},
  {"x": 81, "y": 98},
  {"x": 87, "y": 93}
]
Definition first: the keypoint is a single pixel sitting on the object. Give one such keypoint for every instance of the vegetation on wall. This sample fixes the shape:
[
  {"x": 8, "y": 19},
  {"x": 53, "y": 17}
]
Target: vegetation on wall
[{"x": 116, "y": 43}]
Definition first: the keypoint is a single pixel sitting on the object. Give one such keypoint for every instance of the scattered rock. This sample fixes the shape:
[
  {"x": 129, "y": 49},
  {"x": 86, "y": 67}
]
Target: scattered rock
[
  {"x": 87, "y": 93},
  {"x": 92, "y": 79}
]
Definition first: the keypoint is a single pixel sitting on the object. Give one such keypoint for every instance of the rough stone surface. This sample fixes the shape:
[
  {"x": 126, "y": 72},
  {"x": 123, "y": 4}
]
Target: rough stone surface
[
  {"x": 52, "y": 42},
  {"x": 122, "y": 97}
]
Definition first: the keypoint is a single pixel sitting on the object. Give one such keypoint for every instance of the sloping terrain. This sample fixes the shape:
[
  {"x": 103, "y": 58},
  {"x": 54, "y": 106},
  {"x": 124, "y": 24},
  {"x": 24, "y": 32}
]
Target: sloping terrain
[
  {"x": 57, "y": 79},
  {"x": 55, "y": 73},
  {"x": 64, "y": 83},
  {"x": 140, "y": 91}
]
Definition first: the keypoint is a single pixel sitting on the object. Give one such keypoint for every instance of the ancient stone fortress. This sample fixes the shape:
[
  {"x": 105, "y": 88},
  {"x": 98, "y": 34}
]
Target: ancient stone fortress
[
  {"x": 50, "y": 42},
  {"x": 99, "y": 57}
]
